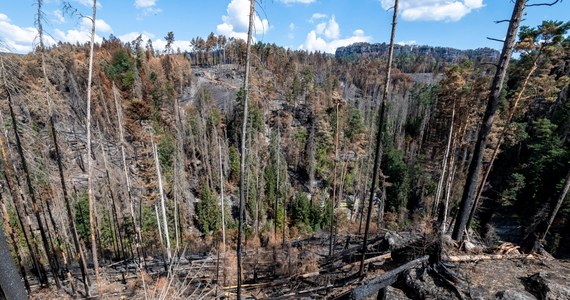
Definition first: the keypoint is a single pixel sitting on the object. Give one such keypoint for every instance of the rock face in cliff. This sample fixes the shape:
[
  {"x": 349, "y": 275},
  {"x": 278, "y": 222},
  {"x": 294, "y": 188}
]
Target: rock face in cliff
[{"x": 415, "y": 58}]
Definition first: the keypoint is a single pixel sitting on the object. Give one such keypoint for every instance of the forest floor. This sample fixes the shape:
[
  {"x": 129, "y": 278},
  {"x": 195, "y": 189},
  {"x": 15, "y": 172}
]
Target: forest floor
[{"x": 303, "y": 269}]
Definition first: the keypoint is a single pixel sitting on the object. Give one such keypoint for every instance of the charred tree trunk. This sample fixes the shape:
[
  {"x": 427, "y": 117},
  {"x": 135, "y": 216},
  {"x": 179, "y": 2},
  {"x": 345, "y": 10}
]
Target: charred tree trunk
[
  {"x": 501, "y": 138},
  {"x": 379, "y": 136},
  {"x": 494, "y": 96},
  {"x": 51, "y": 121},
  {"x": 31, "y": 190},
  {"x": 19, "y": 201},
  {"x": 333, "y": 201}
]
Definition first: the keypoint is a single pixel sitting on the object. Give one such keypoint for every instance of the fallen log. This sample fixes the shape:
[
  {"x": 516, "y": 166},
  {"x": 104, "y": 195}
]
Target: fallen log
[
  {"x": 378, "y": 258},
  {"x": 375, "y": 285},
  {"x": 297, "y": 295},
  {"x": 308, "y": 275},
  {"x": 474, "y": 258},
  {"x": 258, "y": 285}
]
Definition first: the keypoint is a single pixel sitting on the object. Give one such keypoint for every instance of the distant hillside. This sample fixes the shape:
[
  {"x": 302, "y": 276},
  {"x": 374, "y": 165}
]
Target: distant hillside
[{"x": 418, "y": 59}]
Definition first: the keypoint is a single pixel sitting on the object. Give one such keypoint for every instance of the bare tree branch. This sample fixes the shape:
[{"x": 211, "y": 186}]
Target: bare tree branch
[
  {"x": 543, "y": 4},
  {"x": 496, "y": 40}
]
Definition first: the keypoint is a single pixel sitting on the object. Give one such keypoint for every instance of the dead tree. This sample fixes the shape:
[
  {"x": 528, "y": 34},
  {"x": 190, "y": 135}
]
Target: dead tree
[
  {"x": 334, "y": 195},
  {"x": 379, "y": 137},
  {"x": 559, "y": 202},
  {"x": 18, "y": 201},
  {"x": 31, "y": 190},
  {"x": 472, "y": 178},
  {"x": 90, "y": 178},
  {"x": 243, "y": 146},
  {"x": 51, "y": 123},
  {"x": 162, "y": 203}
]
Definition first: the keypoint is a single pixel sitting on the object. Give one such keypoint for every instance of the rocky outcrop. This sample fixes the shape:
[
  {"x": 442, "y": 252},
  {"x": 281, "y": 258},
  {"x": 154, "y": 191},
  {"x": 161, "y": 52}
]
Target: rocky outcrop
[
  {"x": 548, "y": 286},
  {"x": 444, "y": 54}
]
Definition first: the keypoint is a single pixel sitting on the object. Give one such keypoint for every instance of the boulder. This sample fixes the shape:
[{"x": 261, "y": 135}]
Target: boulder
[
  {"x": 514, "y": 295},
  {"x": 548, "y": 286}
]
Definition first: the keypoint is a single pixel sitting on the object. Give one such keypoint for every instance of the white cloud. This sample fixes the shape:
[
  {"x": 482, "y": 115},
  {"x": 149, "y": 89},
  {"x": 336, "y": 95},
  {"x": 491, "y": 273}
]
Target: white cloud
[
  {"x": 147, "y": 7},
  {"x": 160, "y": 45},
  {"x": 332, "y": 31},
  {"x": 407, "y": 43},
  {"x": 297, "y": 1},
  {"x": 100, "y": 25},
  {"x": 291, "y": 34},
  {"x": 59, "y": 18},
  {"x": 82, "y": 34},
  {"x": 326, "y": 37},
  {"x": 16, "y": 38},
  {"x": 434, "y": 10},
  {"x": 131, "y": 36},
  {"x": 144, "y": 3},
  {"x": 235, "y": 22},
  {"x": 317, "y": 16},
  {"x": 89, "y": 3}
]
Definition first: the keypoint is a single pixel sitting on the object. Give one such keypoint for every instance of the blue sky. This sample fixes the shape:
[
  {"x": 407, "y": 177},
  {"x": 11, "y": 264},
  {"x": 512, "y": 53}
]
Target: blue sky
[{"x": 314, "y": 25}]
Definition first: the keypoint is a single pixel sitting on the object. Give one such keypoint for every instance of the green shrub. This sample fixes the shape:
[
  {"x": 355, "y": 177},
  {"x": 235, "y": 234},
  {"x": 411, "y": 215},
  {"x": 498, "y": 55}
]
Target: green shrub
[
  {"x": 208, "y": 212},
  {"x": 122, "y": 69}
]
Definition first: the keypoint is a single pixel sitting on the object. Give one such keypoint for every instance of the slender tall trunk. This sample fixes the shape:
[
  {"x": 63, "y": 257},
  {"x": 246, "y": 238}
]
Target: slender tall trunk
[
  {"x": 449, "y": 184},
  {"x": 277, "y": 178},
  {"x": 559, "y": 202},
  {"x": 161, "y": 238},
  {"x": 222, "y": 195},
  {"x": 487, "y": 124},
  {"x": 311, "y": 156},
  {"x": 379, "y": 136},
  {"x": 138, "y": 235},
  {"x": 243, "y": 147},
  {"x": 333, "y": 200},
  {"x": 115, "y": 215},
  {"x": 51, "y": 116},
  {"x": 175, "y": 183},
  {"x": 31, "y": 190},
  {"x": 502, "y": 138},
  {"x": 444, "y": 163},
  {"x": 90, "y": 177},
  {"x": 162, "y": 203},
  {"x": 18, "y": 202}
]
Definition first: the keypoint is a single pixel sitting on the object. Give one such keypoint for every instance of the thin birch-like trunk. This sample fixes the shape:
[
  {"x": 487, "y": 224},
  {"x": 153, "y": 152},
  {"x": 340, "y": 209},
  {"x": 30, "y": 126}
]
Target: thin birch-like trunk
[
  {"x": 559, "y": 202},
  {"x": 243, "y": 147},
  {"x": 222, "y": 196},
  {"x": 444, "y": 164},
  {"x": 162, "y": 203},
  {"x": 89, "y": 150}
]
